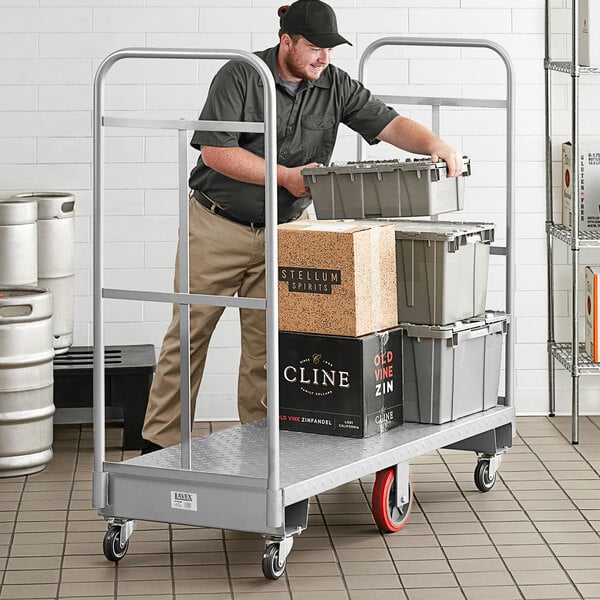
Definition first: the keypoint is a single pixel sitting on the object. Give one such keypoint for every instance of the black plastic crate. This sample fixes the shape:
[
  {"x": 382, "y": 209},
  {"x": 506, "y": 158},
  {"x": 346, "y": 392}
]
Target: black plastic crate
[{"x": 128, "y": 377}]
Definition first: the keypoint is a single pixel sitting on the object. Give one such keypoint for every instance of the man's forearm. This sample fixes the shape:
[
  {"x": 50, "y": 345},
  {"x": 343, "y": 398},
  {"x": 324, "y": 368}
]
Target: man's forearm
[
  {"x": 242, "y": 165},
  {"x": 411, "y": 136},
  {"x": 236, "y": 163}
]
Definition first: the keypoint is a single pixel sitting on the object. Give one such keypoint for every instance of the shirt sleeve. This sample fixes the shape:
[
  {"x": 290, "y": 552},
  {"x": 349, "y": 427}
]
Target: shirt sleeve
[
  {"x": 364, "y": 113},
  {"x": 225, "y": 102}
]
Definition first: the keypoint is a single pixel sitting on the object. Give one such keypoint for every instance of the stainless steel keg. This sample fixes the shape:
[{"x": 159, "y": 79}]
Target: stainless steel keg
[
  {"x": 18, "y": 243},
  {"x": 26, "y": 380},
  {"x": 56, "y": 258}
]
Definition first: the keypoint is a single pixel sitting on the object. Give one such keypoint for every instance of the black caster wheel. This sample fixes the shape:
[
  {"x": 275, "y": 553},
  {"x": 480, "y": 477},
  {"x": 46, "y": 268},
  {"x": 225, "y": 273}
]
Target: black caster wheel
[
  {"x": 483, "y": 480},
  {"x": 113, "y": 549},
  {"x": 389, "y": 517},
  {"x": 270, "y": 562}
]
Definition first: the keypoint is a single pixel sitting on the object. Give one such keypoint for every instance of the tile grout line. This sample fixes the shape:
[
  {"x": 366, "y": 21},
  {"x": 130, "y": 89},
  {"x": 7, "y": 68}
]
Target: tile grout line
[
  {"x": 116, "y": 564},
  {"x": 62, "y": 556},
  {"x": 583, "y": 458},
  {"x": 581, "y": 596},
  {"x": 382, "y": 535},
  {"x": 224, "y": 545},
  {"x": 14, "y": 530},
  {"x": 534, "y": 523},
  {"x": 333, "y": 549},
  {"x": 227, "y": 564},
  {"x": 442, "y": 548},
  {"x": 474, "y": 511},
  {"x": 577, "y": 447},
  {"x": 171, "y": 561}
]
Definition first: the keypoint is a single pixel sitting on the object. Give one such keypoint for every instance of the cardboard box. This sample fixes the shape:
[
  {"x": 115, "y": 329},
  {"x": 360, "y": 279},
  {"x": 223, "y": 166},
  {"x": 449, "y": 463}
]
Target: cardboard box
[
  {"x": 567, "y": 198},
  {"x": 337, "y": 277},
  {"x": 592, "y": 333},
  {"x": 342, "y": 386},
  {"x": 589, "y": 44},
  {"x": 589, "y": 184}
]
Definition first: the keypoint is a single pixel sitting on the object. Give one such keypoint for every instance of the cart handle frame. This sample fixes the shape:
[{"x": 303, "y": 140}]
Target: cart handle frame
[
  {"x": 509, "y": 104},
  {"x": 183, "y": 298}
]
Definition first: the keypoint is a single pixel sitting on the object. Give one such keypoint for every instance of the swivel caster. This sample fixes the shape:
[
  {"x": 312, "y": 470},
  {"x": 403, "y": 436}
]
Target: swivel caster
[
  {"x": 390, "y": 517},
  {"x": 485, "y": 473},
  {"x": 275, "y": 557},
  {"x": 116, "y": 541}
]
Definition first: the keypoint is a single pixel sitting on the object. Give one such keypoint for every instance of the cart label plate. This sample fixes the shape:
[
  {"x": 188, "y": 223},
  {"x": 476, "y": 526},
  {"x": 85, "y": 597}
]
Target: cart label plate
[{"x": 184, "y": 500}]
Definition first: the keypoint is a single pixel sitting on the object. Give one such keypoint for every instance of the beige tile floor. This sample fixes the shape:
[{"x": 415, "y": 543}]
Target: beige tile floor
[{"x": 534, "y": 536}]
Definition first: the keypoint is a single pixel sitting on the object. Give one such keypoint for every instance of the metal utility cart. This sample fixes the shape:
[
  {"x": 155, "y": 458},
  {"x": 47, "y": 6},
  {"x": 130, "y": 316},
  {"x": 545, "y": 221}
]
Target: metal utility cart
[{"x": 255, "y": 477}]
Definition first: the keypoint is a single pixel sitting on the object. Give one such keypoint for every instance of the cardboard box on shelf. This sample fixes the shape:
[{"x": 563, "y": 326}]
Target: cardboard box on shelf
[
  {"x": 334, "y": 385},
  {"x": 589, "y": 183},
  {"x": 589, "y": 44},
  {"x": 567, "y": 198},
  {"x": 337, "y": 277},
  {"x": 592, "y": 332}
]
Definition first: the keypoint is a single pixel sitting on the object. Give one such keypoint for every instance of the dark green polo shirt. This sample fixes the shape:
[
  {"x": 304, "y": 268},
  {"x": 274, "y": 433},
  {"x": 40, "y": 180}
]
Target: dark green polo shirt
[{"x": 307, "y": 125}]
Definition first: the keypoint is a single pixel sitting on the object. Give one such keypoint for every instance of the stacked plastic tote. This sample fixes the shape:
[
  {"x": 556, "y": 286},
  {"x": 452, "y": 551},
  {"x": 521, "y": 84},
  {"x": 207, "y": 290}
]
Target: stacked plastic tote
[
  {"x": 452, "y": 347},
  {"x": 36, "y": 320}
]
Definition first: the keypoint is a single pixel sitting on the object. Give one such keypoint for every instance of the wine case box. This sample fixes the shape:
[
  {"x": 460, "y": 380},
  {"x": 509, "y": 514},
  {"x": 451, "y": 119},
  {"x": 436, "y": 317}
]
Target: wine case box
[
  {"x": 337, "y": 278},
  {"x": 351, "y": 387}
]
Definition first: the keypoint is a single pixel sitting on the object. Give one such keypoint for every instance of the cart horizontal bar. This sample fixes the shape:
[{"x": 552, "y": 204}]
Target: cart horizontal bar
[
  {"x": 439, "y": 101},
  {"x": 182, "y": 124},
  {"x": 196, "y": 476},
  {"x": 179, "y": 298},
  {"x": 182, "y": 497}
]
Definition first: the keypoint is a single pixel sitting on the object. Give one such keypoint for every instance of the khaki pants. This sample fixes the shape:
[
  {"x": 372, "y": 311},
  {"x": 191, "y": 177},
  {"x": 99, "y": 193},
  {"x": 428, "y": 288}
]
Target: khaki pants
[{"x": 225, "y": 258}]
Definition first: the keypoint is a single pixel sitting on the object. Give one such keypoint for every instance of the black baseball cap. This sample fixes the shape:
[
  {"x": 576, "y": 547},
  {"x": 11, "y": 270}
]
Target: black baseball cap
[{"x": 313, "y": 20}]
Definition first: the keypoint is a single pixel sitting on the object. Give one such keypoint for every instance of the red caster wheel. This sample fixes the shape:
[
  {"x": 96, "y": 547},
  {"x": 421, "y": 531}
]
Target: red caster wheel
[{"x": 389, "y": 517}]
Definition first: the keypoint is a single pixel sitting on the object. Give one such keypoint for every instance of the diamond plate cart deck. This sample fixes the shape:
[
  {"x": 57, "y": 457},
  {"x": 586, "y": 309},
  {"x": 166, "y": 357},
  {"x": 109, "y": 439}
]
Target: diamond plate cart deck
[
  {"x": 229, "y": 469},
  {"x": 253, "y": 477}
]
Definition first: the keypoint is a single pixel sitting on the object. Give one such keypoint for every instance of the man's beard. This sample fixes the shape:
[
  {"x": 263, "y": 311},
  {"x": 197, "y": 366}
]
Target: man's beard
[{"x": 297, "y": 70}]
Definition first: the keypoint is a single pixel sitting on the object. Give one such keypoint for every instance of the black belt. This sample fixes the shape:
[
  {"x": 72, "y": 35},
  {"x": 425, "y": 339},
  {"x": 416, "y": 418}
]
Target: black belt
[{"x": 222, "y": 213}]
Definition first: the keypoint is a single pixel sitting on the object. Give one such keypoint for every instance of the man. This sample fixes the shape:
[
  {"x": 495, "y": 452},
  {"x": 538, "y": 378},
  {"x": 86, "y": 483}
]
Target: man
[{"x": 227, "y": 205}]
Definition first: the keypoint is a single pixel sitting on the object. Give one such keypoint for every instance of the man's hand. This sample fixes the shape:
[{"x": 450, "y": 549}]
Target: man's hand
[
  {"x": 409, "y": 135},
  {"x": 292, "y": 180},
  {"x": 453, "y": 159}
]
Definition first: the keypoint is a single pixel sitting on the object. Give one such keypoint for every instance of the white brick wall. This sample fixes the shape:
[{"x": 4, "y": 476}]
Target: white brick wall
[{"x": 49, "y": 53}]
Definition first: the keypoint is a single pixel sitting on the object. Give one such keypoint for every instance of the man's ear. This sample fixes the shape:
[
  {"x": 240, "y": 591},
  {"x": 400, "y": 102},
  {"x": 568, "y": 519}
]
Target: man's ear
[{"x": 286, "y": 41}]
